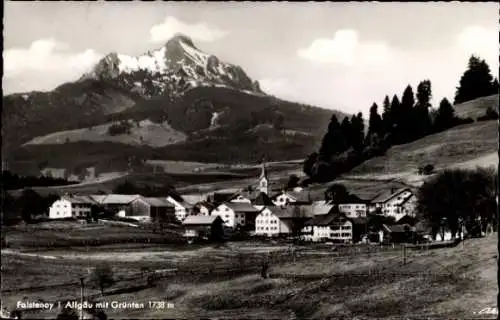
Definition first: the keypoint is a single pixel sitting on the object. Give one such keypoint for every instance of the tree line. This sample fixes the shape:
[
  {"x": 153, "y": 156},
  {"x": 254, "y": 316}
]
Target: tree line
[
  {"x": 460, "y": 198},
  {"x": 12, "y": 181},
  {"x": 346, "y": 145}
]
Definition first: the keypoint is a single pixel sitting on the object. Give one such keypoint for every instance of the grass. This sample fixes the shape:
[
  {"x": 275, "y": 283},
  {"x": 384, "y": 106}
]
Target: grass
[
  {"x": 444, "y": 149},
  {"x": 477, "y": 107},
  {"x": 143, "y": 132},
  {"x": 462, "y": 282},
  {"x": 82, "y": 235}
]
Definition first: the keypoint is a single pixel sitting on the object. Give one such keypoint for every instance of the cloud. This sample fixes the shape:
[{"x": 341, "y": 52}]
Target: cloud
[
  {"x": 480, "y": 41},
  {"x": 171, "y": 26},
  {"x": 273, "y": 85},
  {"x": 346, "y": 49},
  {"x": 47, "y": 60},
  {"x": 344, "y": 72}
]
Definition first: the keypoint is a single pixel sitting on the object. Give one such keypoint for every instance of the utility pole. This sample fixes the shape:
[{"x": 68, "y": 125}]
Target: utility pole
[
  {"x": 81, "y": 298},
  {"x": 403, "y": 251}
]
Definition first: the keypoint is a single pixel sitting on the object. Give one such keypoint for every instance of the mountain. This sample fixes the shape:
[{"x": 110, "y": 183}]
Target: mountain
[
  {"x": 174, "y": 103},
  {"x": 174, "y": 68}
]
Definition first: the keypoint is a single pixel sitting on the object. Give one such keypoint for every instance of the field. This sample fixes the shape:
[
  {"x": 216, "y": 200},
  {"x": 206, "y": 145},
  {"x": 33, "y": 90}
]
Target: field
[
  {"x": 472, "y": 144},
  {"x": 477, "y": 107},
  {"x": 224, "y": 282},
  {"x": 143, "y": 132}
]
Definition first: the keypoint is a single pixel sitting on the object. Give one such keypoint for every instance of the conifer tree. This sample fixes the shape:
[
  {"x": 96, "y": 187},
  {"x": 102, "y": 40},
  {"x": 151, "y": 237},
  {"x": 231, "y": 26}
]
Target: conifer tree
[
  {"x": 475, "y": 82},
  {"x": 422, "y": 116}
]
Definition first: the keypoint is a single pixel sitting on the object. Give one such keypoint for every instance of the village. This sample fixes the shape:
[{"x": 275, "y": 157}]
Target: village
[{"x": 338, "y": 217}]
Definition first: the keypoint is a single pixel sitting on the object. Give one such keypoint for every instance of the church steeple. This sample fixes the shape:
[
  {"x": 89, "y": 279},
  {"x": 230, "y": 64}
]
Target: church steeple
[{"x": 263, "y": 180}]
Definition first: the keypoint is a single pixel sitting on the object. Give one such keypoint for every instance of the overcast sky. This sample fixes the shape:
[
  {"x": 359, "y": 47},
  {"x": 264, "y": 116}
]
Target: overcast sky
[{"x": 334, "y": 55}]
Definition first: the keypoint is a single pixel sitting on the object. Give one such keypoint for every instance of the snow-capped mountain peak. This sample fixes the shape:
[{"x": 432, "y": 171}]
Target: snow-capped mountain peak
[{"x": 177, "y": 66}]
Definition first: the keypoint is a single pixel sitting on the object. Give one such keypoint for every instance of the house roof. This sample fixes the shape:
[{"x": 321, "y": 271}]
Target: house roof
[
  {"x": 182, "y": 203},
  {"x": 326, "y": 219},
  {"x": 192, "y": 199},
  {"x": 387, "y": 195},
  {"x": 241, "y": 207},
  {"x": 405, "y": 200},
  {"x": 359, "y": 220},
  {"x": 199, "y": 220},
  {"x": 349, "y": 198},
  {"x": 290, "y": 212},
  {"x": 398, "y": 228},
  {"x": 156, "y": 202},
  {"x": 321, "y": 208},
  {"x": 79, "y": 199},
  {"x": 116, "y": 198},
  {"x": 263, "y": 200},
  {"x": 302, "y": 196},
  {"x": 406, "y": 219}
]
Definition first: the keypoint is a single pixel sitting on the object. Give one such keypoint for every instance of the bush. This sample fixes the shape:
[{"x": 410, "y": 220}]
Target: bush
[
  {"x": 103, "y": 277},
  {"x": 491, "y": 114},
  {"x": 121, "y": 127},
  {"x": 460, "y": 121},
  {"x": 426, "y": 170}
]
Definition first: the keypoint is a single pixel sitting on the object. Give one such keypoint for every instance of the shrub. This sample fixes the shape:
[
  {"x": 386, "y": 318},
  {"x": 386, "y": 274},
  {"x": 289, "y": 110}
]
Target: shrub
[
  {"x": 121, "y": 127},
  {"x": 103, "y": 277},
  {"x": 491, "y": 114}
]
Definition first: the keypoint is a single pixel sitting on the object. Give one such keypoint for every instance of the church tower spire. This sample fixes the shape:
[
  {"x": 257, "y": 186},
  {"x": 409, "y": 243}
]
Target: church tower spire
[{"x": 263, "y": 180}]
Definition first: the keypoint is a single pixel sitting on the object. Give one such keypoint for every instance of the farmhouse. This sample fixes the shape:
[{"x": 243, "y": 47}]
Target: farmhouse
[
  {"x": 391, "y": 203},
  {"x": 274, "y": 220},
  {"x": 398, "y": 233},
  {"x": 285, "y": 198},
  {"x": 333, "y": 226},
  {"x": 409, "y": 205},
  {"x": 115, "y": 203},
  {"x": 203, "y": 226},
  {"x": 151, "y": 210},
  {"x": 71, "y": 207},
  {"x": 182, "y": 208},
  {"x": 236, "y": 214},
  {"x": 352, "y": 206}
]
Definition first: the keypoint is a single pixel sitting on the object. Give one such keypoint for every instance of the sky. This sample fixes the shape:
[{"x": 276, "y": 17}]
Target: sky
[{"x": 342, "y": 56}]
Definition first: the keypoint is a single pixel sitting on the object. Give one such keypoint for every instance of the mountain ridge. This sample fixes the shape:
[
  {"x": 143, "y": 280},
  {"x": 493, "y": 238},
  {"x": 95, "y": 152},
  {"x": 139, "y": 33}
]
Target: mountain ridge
[{"x": 214, "y": 104}]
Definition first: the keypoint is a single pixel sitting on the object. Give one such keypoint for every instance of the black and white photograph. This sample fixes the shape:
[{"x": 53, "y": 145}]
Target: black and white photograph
[{"x": 249, "y": 160}]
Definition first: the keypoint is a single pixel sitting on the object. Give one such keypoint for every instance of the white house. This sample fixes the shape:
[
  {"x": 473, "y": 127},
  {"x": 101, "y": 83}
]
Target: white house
[
  {"x": 409, "y": 205},
  {"x": 236, "y": 213},
  {"x": 392, "y": 203},
  {"x": 275, "y": 220},
  {"x": 182, "y": 208},
  {"x": 269, "y": 224},
  {"x": 290, "y": 197},
  {"x": 71, "y": 207},
  {"x": 332, "y": 226},
  {"x": 240, "y": 199},
  {"x": 351, "y": 205}
]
